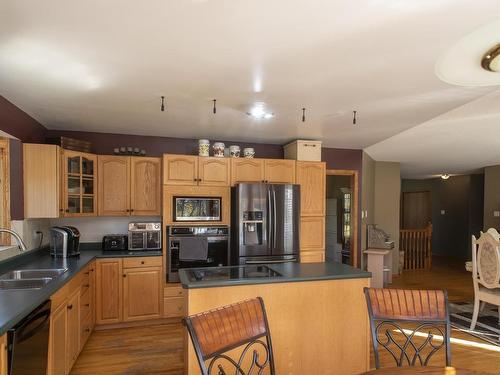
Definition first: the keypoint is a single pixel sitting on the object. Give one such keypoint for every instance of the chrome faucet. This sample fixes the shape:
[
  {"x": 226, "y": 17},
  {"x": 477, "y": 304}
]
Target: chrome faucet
[{"x": 22, "y": 245}]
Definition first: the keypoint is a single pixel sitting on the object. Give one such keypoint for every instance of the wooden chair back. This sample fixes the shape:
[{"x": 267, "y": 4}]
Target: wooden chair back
[
  {"x": 486, "y": 259},
  {"x": 217, "y": 332},
  {"x": 427, "y": 309}
]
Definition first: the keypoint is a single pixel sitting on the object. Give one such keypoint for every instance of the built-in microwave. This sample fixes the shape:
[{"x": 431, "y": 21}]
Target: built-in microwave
[{"x": 197, "y": 209}]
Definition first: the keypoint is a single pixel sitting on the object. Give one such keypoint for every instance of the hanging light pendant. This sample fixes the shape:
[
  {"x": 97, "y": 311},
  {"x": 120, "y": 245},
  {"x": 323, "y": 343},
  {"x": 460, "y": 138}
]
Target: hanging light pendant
[
  {"x": 354, "y": 117},
  {"x": 162, "y": 104},
  {"x": 215, "y": 105},
  {"x": 303, "y": 115}
]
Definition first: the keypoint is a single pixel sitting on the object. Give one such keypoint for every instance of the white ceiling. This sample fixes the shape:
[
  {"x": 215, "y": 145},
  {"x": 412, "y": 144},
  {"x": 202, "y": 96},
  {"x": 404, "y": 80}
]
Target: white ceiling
[{"x": 102, "y": 65}]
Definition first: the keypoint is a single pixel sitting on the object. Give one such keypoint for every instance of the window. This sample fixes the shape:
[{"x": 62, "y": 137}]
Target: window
[{"x": 4, "y": 189}]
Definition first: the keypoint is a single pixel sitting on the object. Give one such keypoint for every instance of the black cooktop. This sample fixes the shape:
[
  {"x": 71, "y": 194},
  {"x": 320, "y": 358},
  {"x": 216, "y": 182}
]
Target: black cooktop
[{"x": 232, "y": 273}]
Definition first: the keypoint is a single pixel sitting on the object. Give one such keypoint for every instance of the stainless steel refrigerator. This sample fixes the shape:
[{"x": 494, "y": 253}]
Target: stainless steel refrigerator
[{"x": 265, "y": 223}]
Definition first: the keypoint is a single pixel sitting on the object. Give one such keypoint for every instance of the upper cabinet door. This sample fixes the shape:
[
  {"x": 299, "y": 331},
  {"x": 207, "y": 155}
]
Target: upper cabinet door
[
  {"x": 214, "y": 171},
  {"x": 114, "y": 187},
  {"x": 145, "y": 197},
  {"x": 280, "y": 171},
  {"x": 79, "y": 184},
  {"x": 180, "y": 170},
  {"x": 247, "y": 170},
  {"x": 312, "y": 179}
]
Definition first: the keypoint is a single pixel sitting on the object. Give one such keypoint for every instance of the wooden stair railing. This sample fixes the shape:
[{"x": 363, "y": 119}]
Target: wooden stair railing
[{"x": 417, "y": 245}]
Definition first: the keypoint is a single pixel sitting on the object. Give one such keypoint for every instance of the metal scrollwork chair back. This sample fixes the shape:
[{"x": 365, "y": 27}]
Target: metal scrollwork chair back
[
  {"x": 427, "y": 315},
  {"x": 239, "y": 330}
]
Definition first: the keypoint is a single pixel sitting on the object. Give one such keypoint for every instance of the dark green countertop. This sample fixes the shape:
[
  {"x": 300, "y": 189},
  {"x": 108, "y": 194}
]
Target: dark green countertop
[
  {"x": 16, "y": 304},
  {"x": 290, "y": 272}
]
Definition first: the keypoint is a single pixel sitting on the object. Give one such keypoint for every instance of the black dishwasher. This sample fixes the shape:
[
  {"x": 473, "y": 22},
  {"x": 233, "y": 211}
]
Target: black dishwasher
[{"x": 28, "y": 343}]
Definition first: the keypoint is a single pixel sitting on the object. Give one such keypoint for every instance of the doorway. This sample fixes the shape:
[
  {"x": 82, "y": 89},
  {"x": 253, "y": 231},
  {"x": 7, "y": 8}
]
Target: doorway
[{"x": 341, "y": 224}]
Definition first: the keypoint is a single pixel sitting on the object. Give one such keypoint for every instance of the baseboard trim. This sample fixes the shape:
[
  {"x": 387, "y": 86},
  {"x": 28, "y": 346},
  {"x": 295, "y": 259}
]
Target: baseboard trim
[{"x": 141, "y": 323}]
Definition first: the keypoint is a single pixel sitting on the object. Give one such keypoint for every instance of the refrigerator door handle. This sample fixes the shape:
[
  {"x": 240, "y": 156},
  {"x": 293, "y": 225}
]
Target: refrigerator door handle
[
  {"x": 269, "y": 219},
  {"x": 274, "y": 219},
  {"x": 271, "y": 261}
]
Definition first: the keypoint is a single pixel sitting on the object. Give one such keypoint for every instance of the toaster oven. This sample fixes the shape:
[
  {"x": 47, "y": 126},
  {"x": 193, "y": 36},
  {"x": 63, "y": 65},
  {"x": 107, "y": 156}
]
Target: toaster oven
[{"x": 144, "y": 236}]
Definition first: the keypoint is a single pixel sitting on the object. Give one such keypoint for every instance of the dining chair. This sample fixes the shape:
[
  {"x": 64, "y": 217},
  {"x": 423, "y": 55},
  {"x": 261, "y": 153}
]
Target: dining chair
[
  {"x": 485, "y": 272},
  {"x": 406, "y": 323},
  {"x": 232, "y": 339}
]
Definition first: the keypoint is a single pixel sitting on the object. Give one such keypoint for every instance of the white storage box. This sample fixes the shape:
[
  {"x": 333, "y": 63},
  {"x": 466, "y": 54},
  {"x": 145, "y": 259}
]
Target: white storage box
[{"x": 303, "y": 150}]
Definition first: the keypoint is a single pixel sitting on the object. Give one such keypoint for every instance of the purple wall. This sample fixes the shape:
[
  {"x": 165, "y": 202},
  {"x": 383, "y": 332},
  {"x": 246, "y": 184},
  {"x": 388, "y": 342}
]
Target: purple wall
[
  {"x": 16, "y": 180},
  {"x": 19, "y": 124},
  {"x": 104, "y": 143}
]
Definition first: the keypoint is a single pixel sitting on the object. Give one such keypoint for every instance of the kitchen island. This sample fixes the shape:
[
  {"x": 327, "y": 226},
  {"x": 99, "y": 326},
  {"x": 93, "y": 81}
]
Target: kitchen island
[{"x": 317, "y": 312}]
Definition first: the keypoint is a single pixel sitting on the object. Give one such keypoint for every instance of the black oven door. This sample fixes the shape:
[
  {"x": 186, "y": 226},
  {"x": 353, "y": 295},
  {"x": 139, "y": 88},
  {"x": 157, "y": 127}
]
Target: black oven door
[{"x": 218, "y": 255}]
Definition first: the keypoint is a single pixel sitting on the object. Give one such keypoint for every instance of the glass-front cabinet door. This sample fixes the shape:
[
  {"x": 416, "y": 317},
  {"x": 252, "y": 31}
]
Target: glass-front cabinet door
[{"x": 79, "y": 184}]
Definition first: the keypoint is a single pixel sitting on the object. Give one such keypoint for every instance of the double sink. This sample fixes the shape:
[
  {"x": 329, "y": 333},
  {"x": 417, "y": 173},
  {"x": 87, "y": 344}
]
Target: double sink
[{"x": 29, "y": 279}]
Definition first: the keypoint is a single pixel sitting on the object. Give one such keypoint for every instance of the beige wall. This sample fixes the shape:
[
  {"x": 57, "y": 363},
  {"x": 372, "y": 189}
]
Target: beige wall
[
  {"x": 367, "y": 197},
  {"x": 491, "y": 196},
  {"x": 380, "y": 200}
]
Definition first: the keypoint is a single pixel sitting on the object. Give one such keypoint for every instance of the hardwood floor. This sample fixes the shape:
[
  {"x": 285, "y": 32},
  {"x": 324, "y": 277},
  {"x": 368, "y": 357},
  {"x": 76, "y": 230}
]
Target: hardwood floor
[
  {"x": 133, "y": 351},
  {"x": 159, "y": 349}
]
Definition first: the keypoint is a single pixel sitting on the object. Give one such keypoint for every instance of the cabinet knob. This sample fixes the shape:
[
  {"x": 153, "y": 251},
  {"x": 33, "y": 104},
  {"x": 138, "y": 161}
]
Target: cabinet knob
[
  {"x": 124, "y": 275},
  {"x": 87, "y": 329},
  {"x": 131, "y": 210},
  {"x": 142, "y": 262},
  {"x": 67, "y": 210},
  {"x": 70, "y": 307},
  {"x": 86, "y": 286},
  {"x": 87, "y": 305}
]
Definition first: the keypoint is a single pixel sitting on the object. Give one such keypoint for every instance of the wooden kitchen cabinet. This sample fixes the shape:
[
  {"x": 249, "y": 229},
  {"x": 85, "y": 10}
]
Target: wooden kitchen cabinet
[
  {"x": 142, "y": 293},
  {"x": 3, "y": 354},
  {"x": 180, "y": 169},
  {"x": 312, "y": 256},
  {"x": 113, "y": 185},
  {"x": 214, "y": 171},
  {"x": 279, "y": 171},
  {"x": 312, "y": 233},
  {"x": 42, "y": 181},
  {"x": 79, "y": 187},
  {"x": 57, "y": 341},
  {"x": 109, "y": 291},
  {"x": 173, "y": 301},
  {"x": 247, "y": 170},
  {"x": 311, "y": 176},
  {"x": 73, "y": 329},
  {"x": 129, "y": 185},
  {"x": 145, "y": 186}
]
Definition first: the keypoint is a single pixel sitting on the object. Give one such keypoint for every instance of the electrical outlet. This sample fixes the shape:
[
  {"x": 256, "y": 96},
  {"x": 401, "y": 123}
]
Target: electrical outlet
[{"x": 496, "y": 213}]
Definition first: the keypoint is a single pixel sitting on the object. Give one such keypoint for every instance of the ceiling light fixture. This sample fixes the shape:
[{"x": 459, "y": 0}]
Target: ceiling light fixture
[
  {"x": 491, "y": 59},
  {"x": 215, "y": 106},
  {"x": 162, "y": 104},
  {"x": 445, "y": 176},
  {"x": 354, "y": 117},
  {"x": 258, "y": 111}
]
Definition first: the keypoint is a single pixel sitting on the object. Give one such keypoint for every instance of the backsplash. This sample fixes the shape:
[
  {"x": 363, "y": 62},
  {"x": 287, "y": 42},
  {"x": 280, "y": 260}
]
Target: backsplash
[
  {"x": 27, "y": 230},
  {"x": 92, "y": 229}
]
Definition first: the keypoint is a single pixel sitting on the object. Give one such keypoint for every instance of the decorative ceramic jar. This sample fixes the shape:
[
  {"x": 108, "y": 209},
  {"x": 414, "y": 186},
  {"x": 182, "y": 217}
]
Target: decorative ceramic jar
[
  {"x": 218, "y": 149},
  {"x": 234, "y": 151},
  {"x": 248, "y": 152},
  {"x": 203, "y": 147}
]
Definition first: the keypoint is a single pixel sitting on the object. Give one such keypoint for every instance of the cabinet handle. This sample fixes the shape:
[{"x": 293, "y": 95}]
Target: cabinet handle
[
  {"x": 87, "y": 305},
  {"x": 127, "y": 210},
  {"x": 67, "y": 210},
  {"x": 86, "y": 286},
  {"x": 70, "y": 307},
  {"x": 91, "y": 270},
  {"x": 124, "y": 275},
  {"x": 142, "y": 262},
  {"x": 88, "y": 272},
  {"x": 131, "y": 210},
  {"x": 87, "y": 329}
]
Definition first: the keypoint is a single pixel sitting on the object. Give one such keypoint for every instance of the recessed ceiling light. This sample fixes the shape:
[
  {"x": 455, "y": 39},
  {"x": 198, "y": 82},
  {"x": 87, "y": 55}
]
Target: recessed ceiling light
[
  {"x": 491, "y": 59},
  {"x": 445, "y": 176},
  {"x": 258, "y": 111}
]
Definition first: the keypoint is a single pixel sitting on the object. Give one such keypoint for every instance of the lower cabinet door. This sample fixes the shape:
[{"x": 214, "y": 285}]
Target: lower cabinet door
[
  {"x": 109, "y": 292},
  {"x": 73, "y": 329},
  {"x": 3, "y": 355},
  {"x": 57, "y": 341},
  {"x": 142, "y": 293},
  {"x": 308, "y": 256}
]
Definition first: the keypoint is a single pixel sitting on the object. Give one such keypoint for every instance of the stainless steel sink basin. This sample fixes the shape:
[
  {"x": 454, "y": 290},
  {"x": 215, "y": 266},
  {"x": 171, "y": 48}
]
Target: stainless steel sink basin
[
  {"x": 24, "y": 283},
  {"x": 33, "y": 274}
]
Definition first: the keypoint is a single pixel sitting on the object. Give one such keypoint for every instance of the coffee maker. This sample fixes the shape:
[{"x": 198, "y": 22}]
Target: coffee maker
[{"x": 64, "y": 242}]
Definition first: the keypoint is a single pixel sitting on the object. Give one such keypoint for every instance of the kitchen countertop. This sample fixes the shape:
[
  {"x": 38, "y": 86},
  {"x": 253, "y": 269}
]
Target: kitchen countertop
[
  {"x": 290, "y": 272},
  {"x": 16, "y": 304}
]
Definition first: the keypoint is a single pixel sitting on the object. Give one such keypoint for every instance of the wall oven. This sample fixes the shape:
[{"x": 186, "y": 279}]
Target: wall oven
[
  {"x": 194, "y": 247},
  {"x": 197, "y": 209}
]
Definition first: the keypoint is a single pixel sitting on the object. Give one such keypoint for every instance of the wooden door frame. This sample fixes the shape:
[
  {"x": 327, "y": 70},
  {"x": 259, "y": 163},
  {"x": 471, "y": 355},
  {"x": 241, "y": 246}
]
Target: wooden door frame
[
  {"x": 354, "y": 174},
  {"x": 5, "y": 179}
]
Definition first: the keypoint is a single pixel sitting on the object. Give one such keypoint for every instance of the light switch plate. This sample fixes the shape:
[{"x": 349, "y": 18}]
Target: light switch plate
[
  {"x": 496, "y": 213},
  {"x": 443, "y": 212}
]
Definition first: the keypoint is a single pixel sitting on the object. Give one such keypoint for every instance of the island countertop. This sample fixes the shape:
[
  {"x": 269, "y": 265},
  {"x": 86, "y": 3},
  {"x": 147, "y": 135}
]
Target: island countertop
[{"x": 288, "y": 272}]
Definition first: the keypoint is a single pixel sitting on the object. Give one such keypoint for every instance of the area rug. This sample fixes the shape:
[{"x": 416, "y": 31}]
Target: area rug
[{"x": 487, "y": 327}]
